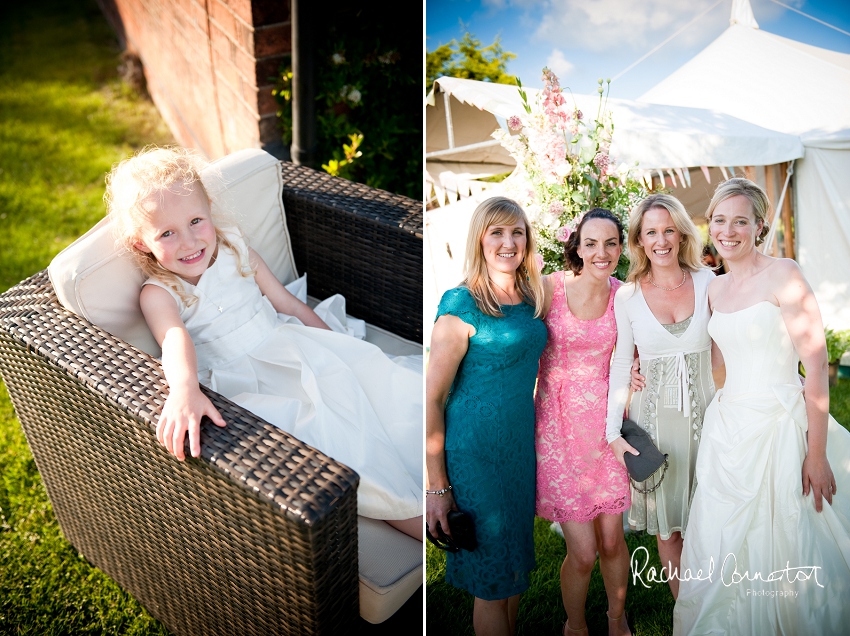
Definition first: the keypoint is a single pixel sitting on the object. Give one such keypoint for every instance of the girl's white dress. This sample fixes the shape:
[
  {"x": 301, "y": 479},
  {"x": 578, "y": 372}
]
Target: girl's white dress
[
  {"x": 341, "y": 395},
  {"x": 770, "y": 563},
  {"x": 676, "y": 361}
]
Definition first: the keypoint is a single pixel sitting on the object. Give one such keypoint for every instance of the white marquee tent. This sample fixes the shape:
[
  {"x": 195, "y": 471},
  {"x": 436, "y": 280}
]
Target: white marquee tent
[
  {"x": 798, "y": 89},
  {"x": 461, "y": 114}
]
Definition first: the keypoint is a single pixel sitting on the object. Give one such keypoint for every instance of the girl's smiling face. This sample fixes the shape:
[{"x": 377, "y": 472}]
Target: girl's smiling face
[{"x": 178, "y": 231}]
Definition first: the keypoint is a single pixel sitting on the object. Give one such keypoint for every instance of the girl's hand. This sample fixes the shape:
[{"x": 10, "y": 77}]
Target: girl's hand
[
  {"x": 182, "y": 413},
  {"x": 620, "y": 447},
  {"x": 436, "y": 510},
  {"x": 818, "y": 477},
  {"x": 638, "y": 381}
]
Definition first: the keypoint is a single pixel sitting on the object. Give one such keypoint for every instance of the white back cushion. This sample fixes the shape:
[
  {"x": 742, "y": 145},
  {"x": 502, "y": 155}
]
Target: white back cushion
[{"x": 98, "y": 280}]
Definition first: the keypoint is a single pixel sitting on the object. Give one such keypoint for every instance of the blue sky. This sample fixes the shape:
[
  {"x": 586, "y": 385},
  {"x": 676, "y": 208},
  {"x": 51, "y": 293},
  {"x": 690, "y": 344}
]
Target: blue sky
[{"x": 582, "y": 40}]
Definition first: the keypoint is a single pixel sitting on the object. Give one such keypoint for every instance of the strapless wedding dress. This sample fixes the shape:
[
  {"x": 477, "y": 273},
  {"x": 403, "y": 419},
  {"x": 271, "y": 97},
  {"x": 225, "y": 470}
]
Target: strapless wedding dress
[{"x": 760, "y": 559}]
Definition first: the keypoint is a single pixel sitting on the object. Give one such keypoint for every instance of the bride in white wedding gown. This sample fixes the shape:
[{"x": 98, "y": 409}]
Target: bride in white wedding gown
[{"x": 767, "y": 550}]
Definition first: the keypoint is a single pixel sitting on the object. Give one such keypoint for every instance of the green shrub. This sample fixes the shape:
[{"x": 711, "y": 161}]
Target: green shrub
[
  {"x": 837, "y": 343},
  {"x": 368, "y": 104}
]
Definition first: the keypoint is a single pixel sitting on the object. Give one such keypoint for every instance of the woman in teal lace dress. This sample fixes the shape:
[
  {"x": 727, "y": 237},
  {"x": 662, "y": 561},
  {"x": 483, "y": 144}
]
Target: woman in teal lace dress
[{"x": 485, "y": 347}]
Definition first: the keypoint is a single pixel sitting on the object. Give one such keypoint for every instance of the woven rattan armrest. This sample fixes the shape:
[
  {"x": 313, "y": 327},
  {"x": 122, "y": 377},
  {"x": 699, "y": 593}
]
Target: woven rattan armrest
[{"x": 363, "y": 243}]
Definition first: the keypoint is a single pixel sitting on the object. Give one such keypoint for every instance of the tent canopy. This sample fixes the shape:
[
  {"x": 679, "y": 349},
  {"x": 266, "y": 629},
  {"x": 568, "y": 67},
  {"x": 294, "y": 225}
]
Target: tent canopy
[
  {"x": 767, "y": 80},
  {"x": 655, "y": 136}
]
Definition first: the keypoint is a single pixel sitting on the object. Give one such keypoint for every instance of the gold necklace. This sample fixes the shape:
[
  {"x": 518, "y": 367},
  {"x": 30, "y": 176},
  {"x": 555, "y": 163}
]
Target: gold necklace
[{"x": 652, "y": 282}]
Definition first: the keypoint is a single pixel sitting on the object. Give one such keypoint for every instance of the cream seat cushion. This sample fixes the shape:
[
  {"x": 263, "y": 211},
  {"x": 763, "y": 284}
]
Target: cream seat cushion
[{"x": 99, "y": 281}]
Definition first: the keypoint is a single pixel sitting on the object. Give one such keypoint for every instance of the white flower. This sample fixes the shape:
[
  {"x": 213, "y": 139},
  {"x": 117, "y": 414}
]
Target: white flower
[
  {"x": 563, "y": 169},
  {"x": 587, "y": 149},
  {"x": 354, "y": 95},
  {"x": 338, "y": 58}
]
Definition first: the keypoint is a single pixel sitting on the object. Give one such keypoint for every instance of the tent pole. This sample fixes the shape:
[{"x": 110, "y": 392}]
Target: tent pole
[
  {"x": 787, "y": 212},
  {"x": 450, "y": 131},
  {"x": 770, "y": 188}
]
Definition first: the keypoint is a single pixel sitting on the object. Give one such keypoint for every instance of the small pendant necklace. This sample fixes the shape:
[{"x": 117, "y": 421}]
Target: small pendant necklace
[
  {"x": 652, "y": 282},
  {"x": 510, "y": 298},
  {"x": 208, "y": 299}
]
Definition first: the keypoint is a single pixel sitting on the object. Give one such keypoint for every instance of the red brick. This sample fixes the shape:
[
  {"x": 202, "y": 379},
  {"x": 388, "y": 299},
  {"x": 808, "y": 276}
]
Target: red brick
[
  {"x": 220, "y": 41},
  {"x": 266, "y": 102},
  {"x": 222, "y": 17},
  {"x": 241, "y": 8},
  {"x": 225, "y": 70},
  {"x": 211, "y": 104},
  {"x": 247, "y": 67},
  {"x": 269, "y": 129},
  {"x": 267, "y": 69},
  {"x": 272, "y": 40},
  {"x": 270, "y": 12}
]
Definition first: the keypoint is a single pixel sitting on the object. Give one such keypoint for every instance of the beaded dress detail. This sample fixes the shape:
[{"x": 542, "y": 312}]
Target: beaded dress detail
[
  {"x": 578, "y": 477},
  {"x": 676, "y": 362}
]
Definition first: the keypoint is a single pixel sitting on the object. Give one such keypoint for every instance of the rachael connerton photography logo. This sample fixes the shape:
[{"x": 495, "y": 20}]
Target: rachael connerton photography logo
[{"x": 728, "y": 575}]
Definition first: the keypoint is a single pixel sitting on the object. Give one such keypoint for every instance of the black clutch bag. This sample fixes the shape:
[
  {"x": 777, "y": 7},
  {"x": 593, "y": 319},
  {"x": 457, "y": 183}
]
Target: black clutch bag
[
  {"x": 650, "y": 461},
  {"x": 463, "y": 533}
]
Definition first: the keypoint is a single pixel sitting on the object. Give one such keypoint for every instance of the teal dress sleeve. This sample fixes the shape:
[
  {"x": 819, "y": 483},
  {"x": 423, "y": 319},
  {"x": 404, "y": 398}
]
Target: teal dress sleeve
[{"x": 459, "y": 302}]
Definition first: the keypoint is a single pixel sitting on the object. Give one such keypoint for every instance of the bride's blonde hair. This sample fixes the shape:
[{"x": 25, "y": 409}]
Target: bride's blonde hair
[{"x": 147, "y": 174}]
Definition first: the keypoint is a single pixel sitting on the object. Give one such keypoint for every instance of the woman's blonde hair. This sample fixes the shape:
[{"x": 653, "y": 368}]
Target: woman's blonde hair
[
  {"x": 690, "y": 250},
  {"x": 500, "y": 211},
  {"x": 759, "y": 203},
  {"x": 149, "y": 173}
]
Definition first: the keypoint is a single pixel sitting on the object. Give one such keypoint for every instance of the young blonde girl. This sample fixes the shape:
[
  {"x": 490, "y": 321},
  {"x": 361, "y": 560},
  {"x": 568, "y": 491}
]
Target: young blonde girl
[{"x": 222, "y": 317}]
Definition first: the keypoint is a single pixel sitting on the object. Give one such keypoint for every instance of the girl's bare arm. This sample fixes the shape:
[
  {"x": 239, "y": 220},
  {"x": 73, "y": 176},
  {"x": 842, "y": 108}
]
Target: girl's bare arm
[
  {"x": 280, "y": 298},
  {"x": 186, "y": 404}
]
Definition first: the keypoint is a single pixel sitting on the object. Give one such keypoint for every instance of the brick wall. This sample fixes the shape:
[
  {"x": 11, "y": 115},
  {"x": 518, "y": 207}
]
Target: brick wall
[{"x": 209, "y": 66}]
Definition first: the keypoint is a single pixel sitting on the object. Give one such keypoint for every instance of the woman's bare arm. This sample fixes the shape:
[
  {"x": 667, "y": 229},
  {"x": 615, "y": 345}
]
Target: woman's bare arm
[
  {"x": 449, "y": 344},
  {"x": 803, "y": 321}
]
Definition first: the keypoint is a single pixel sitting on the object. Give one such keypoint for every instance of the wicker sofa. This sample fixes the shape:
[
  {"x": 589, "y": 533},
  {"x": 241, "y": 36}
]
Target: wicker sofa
[{"x": 259, "y": 535}]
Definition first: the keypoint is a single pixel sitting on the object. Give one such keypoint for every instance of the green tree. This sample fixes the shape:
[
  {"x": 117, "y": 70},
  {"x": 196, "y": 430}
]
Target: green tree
[{"x": 468, "y": 59}]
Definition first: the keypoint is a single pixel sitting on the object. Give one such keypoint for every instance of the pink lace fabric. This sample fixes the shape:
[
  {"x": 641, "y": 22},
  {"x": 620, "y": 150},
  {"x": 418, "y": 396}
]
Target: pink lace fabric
[{"x": 578, "y": 477}]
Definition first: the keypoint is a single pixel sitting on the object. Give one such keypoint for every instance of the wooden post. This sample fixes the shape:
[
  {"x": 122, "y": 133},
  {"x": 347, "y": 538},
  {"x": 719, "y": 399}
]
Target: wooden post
[
  {"x": 772, "y": 195},
  {"x": 787, "y": 213}
]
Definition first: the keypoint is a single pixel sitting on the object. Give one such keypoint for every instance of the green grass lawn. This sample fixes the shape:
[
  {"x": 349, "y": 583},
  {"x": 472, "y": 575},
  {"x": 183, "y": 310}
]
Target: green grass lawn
[
  {"x": 65, "y": 118},
  {"x": 650, "y": 611}
]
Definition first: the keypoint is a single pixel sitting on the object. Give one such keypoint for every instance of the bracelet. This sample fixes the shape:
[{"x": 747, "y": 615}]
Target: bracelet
[{"x": 438, "y": 492}]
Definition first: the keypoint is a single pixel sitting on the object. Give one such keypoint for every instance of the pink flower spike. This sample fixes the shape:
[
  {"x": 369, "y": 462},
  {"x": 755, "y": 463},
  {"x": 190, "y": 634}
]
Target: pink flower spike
[{"x": 556, "y": 208}]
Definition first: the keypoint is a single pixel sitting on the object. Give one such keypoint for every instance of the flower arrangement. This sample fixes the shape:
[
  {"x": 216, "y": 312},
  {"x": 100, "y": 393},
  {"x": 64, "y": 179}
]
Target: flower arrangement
[{"x": 564, "y": 168}]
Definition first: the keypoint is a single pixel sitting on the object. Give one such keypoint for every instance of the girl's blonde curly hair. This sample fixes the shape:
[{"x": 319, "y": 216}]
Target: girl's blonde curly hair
[{"x": 147, "y": 174}]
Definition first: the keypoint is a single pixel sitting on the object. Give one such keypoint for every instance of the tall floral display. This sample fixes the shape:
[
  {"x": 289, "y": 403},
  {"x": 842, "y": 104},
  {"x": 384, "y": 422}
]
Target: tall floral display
[{"x": 564, "y": 168}]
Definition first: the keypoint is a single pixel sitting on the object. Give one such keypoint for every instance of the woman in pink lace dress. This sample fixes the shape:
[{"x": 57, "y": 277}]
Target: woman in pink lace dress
[{"x": 580, "y": 484}]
